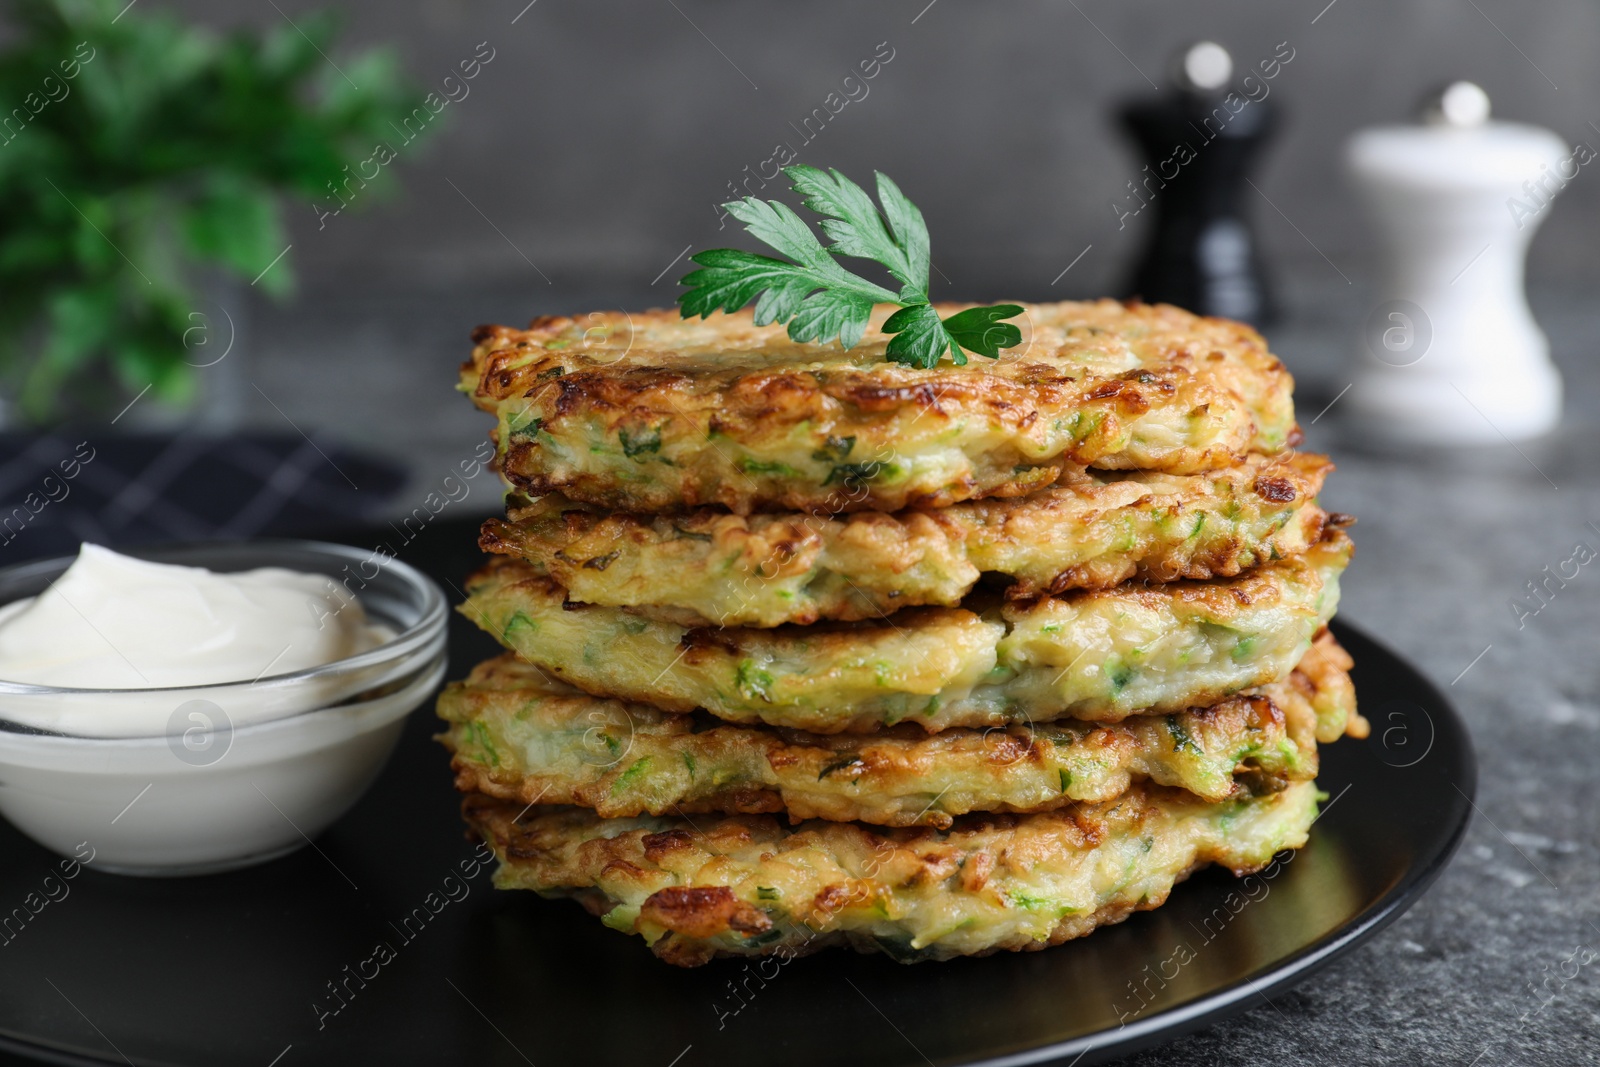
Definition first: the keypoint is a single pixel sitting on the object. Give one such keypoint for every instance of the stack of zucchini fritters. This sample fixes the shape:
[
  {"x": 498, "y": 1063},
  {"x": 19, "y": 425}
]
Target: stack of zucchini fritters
[{"x": 810, "y": 648}]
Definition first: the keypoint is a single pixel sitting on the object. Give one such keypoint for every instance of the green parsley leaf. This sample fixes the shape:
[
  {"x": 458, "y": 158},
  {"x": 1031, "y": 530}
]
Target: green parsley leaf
[
  {"x": 980, "y": 329},
  {"x": 920, "y": 339},
  {"x": 858, "y": 230},
  {"x": 819, "y": 299}
]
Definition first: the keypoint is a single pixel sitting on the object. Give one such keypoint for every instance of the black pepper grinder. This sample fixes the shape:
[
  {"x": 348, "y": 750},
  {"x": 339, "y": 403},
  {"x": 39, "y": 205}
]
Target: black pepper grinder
[{"x": 1199, "y": 142}]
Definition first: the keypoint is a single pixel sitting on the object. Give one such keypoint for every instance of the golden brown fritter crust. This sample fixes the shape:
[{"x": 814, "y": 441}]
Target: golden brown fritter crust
[
  {"x": 650, "y": 412},
  {"x": 750, "y": 885},
  {"x": 516, "y": 734},
  {"x": 1323, "y": 677},
  {"x": 1091, "y": 530},
  {"x": 1099, "y": 656}
]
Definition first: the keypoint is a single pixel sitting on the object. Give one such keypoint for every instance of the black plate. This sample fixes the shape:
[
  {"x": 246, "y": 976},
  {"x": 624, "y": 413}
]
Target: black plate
[{"x": 235, "y": 968}]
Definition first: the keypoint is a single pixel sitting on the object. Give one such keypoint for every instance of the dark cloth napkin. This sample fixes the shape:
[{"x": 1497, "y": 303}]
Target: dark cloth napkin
[{"x": 61, "y": 488}]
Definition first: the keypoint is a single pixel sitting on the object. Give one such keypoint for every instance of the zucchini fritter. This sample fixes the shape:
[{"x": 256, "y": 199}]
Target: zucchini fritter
[
  {"x": 651, "y": 412},
  {"x": 515, "y": 734},
  {"x": 1099, "y": 655},
  {"x": 1091, "y": 530},
  {"x": 750, "y": 885}
]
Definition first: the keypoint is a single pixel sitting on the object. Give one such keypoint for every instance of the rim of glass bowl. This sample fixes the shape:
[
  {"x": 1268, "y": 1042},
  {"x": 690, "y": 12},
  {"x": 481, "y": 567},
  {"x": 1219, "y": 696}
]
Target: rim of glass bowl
[{"x": 425, "y": 632}]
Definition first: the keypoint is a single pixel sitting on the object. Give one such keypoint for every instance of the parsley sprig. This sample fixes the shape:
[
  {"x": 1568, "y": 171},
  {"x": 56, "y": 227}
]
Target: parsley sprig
[{"x": 821, "y": 300}]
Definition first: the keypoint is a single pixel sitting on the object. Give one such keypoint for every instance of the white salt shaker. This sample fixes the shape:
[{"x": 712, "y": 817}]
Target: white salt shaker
[{"x": 1451, "y": 354}]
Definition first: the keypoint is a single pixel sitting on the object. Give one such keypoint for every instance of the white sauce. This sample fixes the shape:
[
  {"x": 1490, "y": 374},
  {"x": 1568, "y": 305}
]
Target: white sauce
[{"x": 112, "y": 622}]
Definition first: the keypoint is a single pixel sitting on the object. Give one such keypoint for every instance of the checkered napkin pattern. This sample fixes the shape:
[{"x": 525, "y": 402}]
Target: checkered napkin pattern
[{"x": 62, "y": 488}]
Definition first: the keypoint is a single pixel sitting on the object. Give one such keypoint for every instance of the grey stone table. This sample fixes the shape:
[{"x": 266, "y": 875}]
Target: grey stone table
[{"x": 1482, "y": 971}]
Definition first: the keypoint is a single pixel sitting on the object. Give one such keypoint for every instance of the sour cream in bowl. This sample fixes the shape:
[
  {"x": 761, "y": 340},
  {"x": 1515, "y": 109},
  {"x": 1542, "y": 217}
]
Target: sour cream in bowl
[{"x": 205, "y": 707}]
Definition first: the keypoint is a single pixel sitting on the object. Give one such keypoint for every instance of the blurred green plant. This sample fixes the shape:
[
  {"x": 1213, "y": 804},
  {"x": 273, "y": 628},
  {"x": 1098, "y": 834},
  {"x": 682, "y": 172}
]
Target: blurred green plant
[{"x": 138, "y": 153}]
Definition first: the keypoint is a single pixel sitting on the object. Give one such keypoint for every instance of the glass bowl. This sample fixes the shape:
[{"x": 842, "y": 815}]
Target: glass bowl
[{"x": 219, "y": 789}]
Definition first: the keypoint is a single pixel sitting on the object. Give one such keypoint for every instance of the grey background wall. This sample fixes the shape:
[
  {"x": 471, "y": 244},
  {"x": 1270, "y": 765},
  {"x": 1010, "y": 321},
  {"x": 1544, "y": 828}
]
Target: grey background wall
[{"x": 602, "y": 134}]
